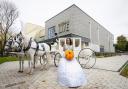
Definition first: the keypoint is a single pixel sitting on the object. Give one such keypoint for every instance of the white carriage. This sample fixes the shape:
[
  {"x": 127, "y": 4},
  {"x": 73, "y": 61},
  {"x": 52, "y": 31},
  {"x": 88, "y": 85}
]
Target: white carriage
[{"x": 85, "y": 56}]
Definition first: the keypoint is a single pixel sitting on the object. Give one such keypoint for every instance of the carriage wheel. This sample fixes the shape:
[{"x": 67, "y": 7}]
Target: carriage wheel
[
  {"x": 87, "y": 58},
  {"x": 57, "y": 59}
]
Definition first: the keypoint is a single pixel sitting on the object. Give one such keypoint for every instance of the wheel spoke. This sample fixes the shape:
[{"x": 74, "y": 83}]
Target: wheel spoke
[{"x": 87, "y": 58}]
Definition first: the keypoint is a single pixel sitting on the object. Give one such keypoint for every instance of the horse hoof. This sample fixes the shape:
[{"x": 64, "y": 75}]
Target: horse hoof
[
  {"x": 42, "y": 69},
  {"x": 30, "y": 73},
  {"x": 27, "y": 72},
  {"x": 20, "y": 71}
]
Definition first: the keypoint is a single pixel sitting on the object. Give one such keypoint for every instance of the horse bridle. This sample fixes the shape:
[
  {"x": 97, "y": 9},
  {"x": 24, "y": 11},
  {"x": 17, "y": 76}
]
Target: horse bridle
[
  {"x": 9, "y": 43},
  {"x": 19, "y": 43}
]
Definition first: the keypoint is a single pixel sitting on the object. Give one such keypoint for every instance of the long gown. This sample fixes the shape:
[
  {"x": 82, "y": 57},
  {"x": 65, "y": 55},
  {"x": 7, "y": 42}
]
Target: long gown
[{"x": 70, "y": 73}]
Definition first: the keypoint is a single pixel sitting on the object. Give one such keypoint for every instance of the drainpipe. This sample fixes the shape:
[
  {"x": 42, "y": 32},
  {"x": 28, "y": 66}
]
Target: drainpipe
[
  {"x": 109, "y": 42},
  {"x": 98, "y": 30},
  {"x": 90, "y": 32}
]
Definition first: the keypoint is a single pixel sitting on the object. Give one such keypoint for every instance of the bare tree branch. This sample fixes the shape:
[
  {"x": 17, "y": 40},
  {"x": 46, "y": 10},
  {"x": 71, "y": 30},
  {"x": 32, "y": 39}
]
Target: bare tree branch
[{"x": 8, "y": 14}]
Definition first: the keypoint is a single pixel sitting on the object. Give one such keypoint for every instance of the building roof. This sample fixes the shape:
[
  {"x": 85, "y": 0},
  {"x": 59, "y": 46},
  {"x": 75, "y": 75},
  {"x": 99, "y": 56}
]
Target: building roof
[
  {"x": 69, "y": 8},
  {"x": 80, "y": 10}
]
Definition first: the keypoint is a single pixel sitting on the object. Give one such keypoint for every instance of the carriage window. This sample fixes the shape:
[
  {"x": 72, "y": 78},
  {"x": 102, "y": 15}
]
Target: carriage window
[
  {"x": 62, "y": 42},
  {"x": 71, "y": 41},
  {"x": 77, "y": 42},
  {"x": 86, "y": 44}
]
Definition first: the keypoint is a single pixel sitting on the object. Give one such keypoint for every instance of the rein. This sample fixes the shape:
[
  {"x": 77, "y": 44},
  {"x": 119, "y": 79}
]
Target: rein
[{"x": 18, "y": 42}]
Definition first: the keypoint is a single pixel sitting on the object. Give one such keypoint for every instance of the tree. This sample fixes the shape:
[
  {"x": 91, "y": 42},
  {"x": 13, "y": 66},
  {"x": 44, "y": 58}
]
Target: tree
[
  {"x": 121, "y": 43},
  {"x": 8, "y": 14},
  {"x": 127, "y": 46}
]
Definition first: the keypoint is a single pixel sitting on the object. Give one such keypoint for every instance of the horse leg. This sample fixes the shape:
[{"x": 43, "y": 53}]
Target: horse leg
[
  {"x": 43, "y": 57},
  {"x": 19, "y": 63},
  {"x": 31, "y": 64},
  {"x": 22, "y": 65},
  {"x": 34, "y": 61},
  {"x": 40, "y": 60},
  {"x": 45, "y": 64},
  {"x": 30, "y": 71},
  {"x": 46, "y": 61},
  {"x": 31, "y": 68},
  {"x": 48, "y": 57}
]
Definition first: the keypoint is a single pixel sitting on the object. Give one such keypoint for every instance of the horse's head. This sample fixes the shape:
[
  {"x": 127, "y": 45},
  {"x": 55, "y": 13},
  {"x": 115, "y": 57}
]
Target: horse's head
[
  {"x": 8, "y": 45},
  {"x": 18, "y": 42}
]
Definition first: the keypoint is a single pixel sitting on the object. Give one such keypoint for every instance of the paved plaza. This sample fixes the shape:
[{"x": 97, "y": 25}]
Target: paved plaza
[
  {"x": 111, "y": 63},
  {"x": 104, "y": 75}
]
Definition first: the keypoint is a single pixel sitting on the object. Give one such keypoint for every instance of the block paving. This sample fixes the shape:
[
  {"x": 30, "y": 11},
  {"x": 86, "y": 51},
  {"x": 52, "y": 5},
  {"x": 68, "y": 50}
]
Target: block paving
[{"x": 97, "y": 78}]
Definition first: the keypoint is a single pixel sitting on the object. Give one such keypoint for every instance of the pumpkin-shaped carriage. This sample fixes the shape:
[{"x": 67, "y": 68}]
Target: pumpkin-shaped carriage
[{"x": 84, "y": 55}]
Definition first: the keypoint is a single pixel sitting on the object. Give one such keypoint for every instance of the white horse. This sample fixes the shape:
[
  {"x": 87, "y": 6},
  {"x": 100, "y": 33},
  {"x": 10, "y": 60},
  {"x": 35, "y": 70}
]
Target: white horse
[
  {"x": 8, "y": 45},
  {"x": 33, "y": 49}
]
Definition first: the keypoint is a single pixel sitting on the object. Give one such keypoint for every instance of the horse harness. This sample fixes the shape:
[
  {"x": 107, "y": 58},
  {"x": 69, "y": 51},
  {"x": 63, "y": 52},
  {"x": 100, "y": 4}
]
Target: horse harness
[
  {"x": 36, "y": 49},
  {"x": 28, "y": 47}
]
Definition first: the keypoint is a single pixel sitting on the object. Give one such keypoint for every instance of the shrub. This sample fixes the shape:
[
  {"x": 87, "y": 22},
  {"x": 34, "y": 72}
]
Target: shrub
[{"x": 105, "y": 54}]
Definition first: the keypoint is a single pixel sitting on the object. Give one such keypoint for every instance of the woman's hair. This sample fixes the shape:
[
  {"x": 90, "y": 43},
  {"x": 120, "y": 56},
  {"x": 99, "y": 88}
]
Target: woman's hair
[{"x": 70, "y": 40}]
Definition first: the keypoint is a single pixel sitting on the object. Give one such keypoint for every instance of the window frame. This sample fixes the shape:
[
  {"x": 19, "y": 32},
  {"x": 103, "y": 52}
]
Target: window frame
[
  {"x": 63, "y": 26},
  {"x": 51, "y": 33}
]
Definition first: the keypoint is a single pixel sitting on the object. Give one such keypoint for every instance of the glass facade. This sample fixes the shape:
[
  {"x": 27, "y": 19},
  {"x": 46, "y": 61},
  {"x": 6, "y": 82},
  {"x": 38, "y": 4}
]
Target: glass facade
[{"x": 51, "y": 32}]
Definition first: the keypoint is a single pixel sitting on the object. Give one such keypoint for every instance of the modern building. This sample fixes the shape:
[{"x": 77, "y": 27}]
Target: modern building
[
  {"x": 74, "y": 22},
  {"x": 35, "y": 31}
]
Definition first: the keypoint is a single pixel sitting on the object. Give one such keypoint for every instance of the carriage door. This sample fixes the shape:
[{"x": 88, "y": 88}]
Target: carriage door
[{"x": 77, "y": 46}]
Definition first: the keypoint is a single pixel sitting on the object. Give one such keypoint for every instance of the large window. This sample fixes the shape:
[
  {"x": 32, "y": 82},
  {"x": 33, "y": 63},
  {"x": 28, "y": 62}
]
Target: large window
[
  {"x": 101, "y": 48},
  {"x": 64, "y": 26},
  {"x": 51, "y": 32}
]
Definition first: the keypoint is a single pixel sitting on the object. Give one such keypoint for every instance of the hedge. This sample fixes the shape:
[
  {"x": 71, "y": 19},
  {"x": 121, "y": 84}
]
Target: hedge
[{"x": 105, "y": 54}]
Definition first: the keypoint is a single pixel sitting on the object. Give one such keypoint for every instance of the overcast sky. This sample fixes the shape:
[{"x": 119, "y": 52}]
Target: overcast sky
[{"x": 112, "y": 14}]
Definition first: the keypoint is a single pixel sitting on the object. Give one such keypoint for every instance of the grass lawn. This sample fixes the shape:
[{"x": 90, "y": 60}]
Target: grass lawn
[
  {"x": 124, "y": 72},
  {"x": 7, "y": 59}
]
